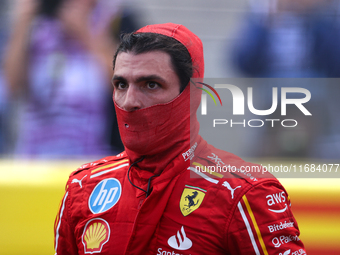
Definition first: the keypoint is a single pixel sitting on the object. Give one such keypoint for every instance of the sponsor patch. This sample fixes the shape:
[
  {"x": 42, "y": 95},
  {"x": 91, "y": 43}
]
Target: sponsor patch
[
  {"x": 189, "y": 154},
  {"x": 192, "y": 197},
  {"x": 96, "y": 234},
  {"x": 277, "y": 227},
  {"x": 160, "y": 251},
  {"x": 299, "y": 252},
  {"x": 278, "y": 241},
  {"x": 105, "y": 195},
  {"x": 180, "y": 241},
  {"x": 287, "y": 252},
  {"x": 78, "y": 181},
  {"x": 216, "y": 159},
  {"x": 277, "y": 199},
  {"x": 232, "y": 190}
]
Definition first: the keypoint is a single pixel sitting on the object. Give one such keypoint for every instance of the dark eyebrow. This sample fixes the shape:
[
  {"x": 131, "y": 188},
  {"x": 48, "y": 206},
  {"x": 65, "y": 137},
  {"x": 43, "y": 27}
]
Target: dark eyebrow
[
  {"x": 117, "y": 78},
  {"x": 140, "y": 79},
  {"x": 150, "y": 77}
]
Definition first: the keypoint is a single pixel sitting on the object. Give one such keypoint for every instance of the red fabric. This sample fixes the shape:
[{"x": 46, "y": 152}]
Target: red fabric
[
  {"x": 220, "y": 225},
  {"x": 186, "y": 212}
]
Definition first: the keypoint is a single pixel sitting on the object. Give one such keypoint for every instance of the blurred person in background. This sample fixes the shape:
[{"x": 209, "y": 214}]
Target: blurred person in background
[
  {"x": 4, "y": 116},
  {"x": 292, "y": 39},
  {"x": 327, "y": 55},
  {"x": 57, "y": 65},
  {"x": 278, "y": 38},
  {"x": 4, "y": 101}
]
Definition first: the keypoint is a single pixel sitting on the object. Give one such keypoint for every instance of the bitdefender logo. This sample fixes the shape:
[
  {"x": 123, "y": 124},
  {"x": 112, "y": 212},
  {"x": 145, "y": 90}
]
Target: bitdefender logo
[{"x": 278, "y": 227}]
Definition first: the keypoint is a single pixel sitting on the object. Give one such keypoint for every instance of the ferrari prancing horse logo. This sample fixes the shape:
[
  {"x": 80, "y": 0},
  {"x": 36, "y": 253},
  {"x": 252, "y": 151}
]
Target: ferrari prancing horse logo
[{"x": 191, "y": 199}]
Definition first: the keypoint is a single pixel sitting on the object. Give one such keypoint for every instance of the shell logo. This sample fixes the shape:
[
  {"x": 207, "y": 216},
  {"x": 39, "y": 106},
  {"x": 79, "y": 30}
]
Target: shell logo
[{"x": 96, "y": 234}]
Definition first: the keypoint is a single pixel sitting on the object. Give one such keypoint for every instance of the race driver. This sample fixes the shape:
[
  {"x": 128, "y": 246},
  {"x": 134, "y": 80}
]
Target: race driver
[{"x": 157, "y": 197}]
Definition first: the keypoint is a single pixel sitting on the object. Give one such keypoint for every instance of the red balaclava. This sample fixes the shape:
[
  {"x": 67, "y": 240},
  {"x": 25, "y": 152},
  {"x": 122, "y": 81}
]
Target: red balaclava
[{"x": 161, "y": 132}]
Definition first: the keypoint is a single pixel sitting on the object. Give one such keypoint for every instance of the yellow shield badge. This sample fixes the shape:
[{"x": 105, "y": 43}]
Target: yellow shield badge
[{"x": 191, "y": 199}]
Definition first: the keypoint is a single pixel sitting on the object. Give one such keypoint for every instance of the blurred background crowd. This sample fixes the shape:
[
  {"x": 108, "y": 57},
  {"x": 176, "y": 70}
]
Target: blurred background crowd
[{"x": 56, "y": 61}]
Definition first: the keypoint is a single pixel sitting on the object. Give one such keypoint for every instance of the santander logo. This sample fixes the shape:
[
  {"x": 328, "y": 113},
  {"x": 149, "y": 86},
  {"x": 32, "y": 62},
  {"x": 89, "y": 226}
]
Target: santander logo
[{"x": 180, "y": 241}]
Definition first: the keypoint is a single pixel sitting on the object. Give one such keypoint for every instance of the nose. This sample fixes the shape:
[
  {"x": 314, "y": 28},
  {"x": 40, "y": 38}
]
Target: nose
[{"x": 132, "y": 100}]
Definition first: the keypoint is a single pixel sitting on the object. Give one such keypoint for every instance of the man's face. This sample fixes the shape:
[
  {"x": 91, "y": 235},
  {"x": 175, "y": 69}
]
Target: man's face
[{"x": 144, "y": 80}]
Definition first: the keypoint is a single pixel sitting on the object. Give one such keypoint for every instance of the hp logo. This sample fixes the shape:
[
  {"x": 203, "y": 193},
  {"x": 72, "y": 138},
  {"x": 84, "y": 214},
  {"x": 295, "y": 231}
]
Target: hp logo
[{"x": 105, "y": 195}]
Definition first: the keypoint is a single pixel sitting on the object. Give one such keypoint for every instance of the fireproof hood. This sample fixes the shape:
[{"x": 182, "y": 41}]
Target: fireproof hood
[{"x": 161, "y": 132}]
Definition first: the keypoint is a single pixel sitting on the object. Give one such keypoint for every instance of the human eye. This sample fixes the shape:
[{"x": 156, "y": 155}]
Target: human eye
[
  {"x": 120, "y": 85},
  {"x": 152, "y": 85}
]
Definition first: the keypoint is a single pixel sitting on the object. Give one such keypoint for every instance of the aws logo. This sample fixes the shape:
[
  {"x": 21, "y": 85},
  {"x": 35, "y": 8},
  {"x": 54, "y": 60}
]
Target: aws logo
[
  {"x": 204, "y": 96},
  {"x": 277, "y": 198}
]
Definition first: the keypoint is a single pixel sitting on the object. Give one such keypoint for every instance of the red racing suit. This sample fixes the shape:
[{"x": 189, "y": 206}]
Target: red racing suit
[
  {"x": 187, "y": 212},
  {"x": 171, "y": 193}
]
